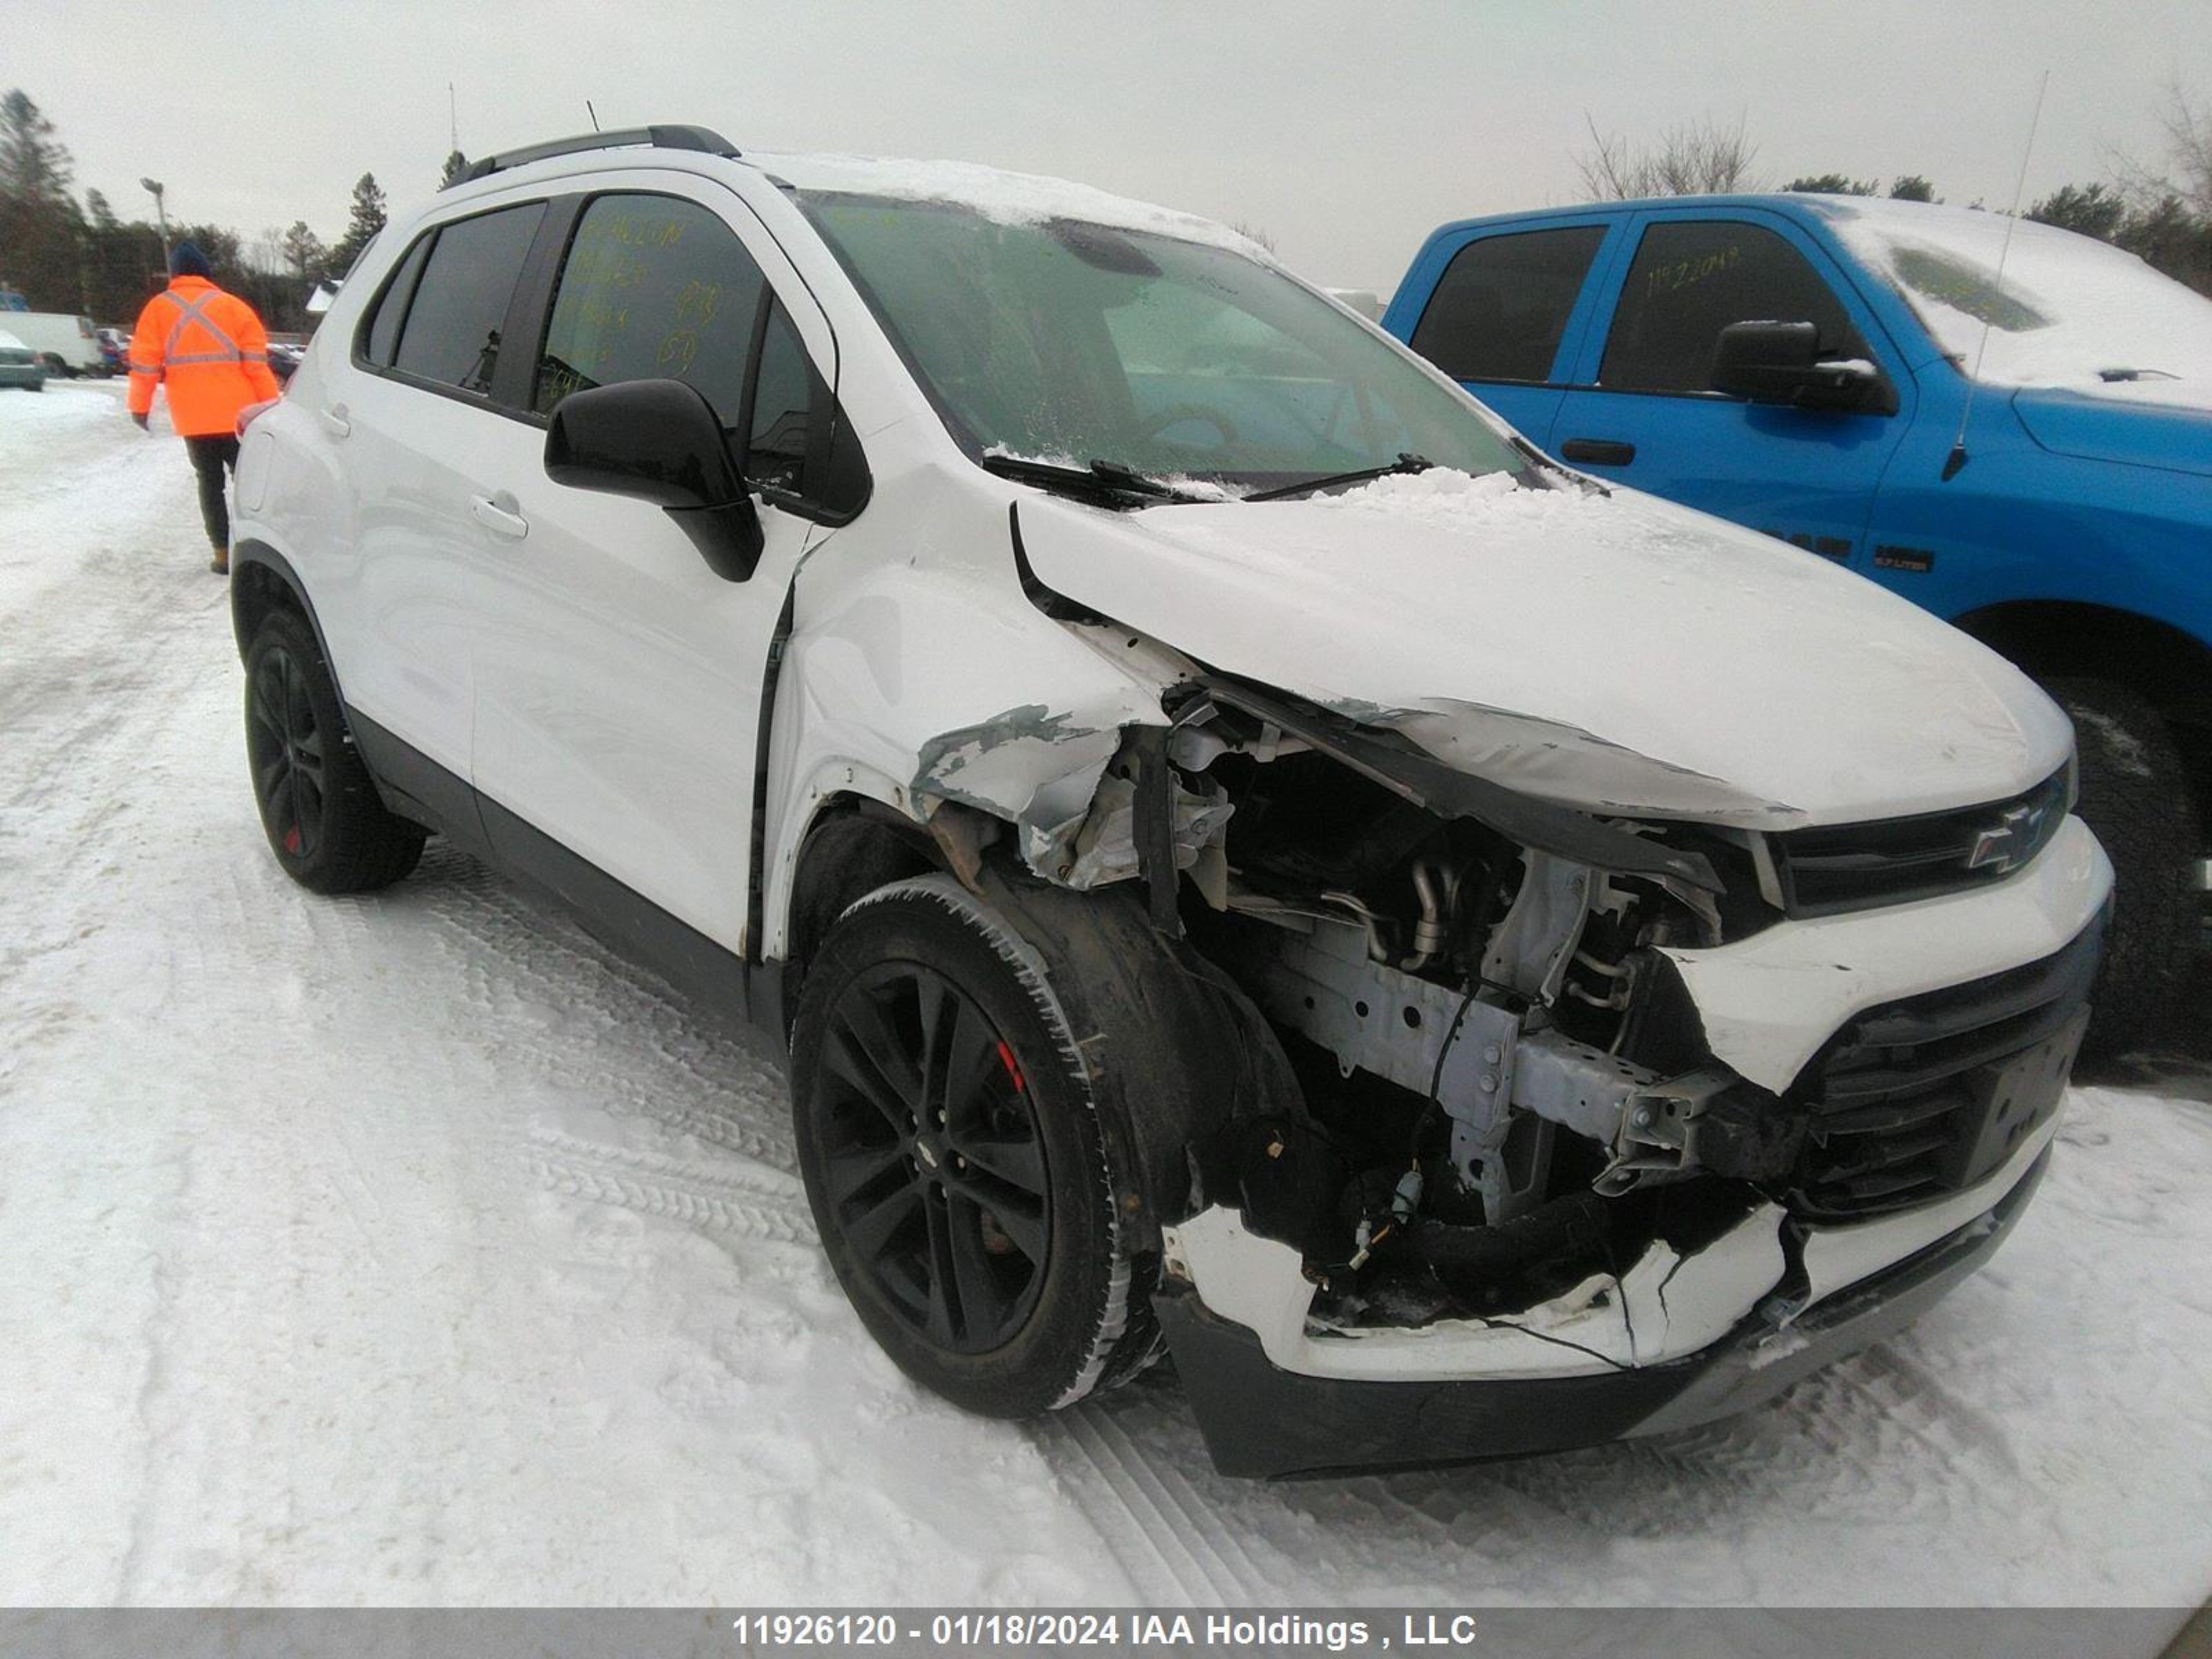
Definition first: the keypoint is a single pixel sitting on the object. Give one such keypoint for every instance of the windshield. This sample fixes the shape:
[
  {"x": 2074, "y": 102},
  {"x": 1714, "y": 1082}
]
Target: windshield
[
  {"x": 1070, "y": 341},
  {"x": 2071, "y": 311}
]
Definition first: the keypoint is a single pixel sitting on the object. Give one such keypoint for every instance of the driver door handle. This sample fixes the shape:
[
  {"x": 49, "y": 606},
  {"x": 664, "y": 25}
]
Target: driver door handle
[
  {"x": 335, "y": 420},
  {"x": 497, "y": 513},
  {"x": 1598, "y": 451}
]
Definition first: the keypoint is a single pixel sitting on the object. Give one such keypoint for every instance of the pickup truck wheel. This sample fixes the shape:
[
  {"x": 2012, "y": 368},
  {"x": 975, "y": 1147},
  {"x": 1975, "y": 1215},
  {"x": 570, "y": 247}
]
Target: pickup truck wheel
[
  {"x": 2136, "y": 795},
  {"x": 954, "y": 1158},
  {"x": 325, "y": 821}
]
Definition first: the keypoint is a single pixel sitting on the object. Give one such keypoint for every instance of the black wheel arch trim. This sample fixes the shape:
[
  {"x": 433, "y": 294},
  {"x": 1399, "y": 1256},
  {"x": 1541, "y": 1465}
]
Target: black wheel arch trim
[{"x": 250, "y": 555}]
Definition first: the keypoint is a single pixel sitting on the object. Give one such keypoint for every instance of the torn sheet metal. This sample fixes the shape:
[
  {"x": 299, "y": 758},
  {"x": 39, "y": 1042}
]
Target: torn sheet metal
[
  {"x": 1099, "y": 845},
  {"x": 1049, "y": 776}
]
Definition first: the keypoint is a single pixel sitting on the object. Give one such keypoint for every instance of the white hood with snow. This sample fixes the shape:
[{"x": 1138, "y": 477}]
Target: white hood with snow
[{"x": 1616, "y": 653}]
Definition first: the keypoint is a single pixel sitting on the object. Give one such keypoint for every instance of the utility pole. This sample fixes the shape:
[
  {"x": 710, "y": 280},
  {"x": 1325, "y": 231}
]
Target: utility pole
[{"x": 161, "y": 212}]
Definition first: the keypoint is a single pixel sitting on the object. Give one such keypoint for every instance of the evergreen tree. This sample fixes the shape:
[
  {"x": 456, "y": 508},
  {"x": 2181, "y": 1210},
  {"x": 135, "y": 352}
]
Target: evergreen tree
[
  {"x": 1834, "y": 184},
  {"x": 304, "y": 253},
  {"x": 2091, "y": 209},
  {"x": 34, "y": 165},
  {"x": 368, "y": 216},
  {"x": 1911, "y": 187}
]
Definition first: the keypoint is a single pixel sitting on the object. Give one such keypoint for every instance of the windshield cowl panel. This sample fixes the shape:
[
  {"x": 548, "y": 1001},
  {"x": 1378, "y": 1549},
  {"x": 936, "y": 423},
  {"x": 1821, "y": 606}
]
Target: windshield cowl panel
[{"x": 1188, "y": 364}]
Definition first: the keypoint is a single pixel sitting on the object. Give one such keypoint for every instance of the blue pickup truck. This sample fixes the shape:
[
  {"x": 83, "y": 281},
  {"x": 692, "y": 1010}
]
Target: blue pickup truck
[{"x": 2028, "y": 454}]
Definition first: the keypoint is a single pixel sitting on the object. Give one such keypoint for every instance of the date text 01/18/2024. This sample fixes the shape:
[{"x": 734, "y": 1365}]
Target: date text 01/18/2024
[{"x": 1063, "y": 1628}]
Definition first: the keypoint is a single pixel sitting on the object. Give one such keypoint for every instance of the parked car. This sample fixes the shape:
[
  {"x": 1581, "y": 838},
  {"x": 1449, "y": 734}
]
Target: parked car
[
  {"x": 65, "y": 344},
  {"x": 1242, "y": 850},
  {"x": 2029, "y": 457},
  {"x": 19, "y": 366}
]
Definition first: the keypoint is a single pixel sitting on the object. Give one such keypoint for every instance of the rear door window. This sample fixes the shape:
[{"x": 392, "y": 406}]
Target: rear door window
[
  {"x": 383, "y": 331},
  {"x": 1501, "y": 305},
  {"x": 1692, "y": 279},
  {"x": 451, "y": 331}
]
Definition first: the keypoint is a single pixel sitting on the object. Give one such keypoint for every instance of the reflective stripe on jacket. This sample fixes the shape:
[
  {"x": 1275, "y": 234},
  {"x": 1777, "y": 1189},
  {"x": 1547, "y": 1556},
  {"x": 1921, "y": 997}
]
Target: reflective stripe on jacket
[{"x": 208, "y": 349}]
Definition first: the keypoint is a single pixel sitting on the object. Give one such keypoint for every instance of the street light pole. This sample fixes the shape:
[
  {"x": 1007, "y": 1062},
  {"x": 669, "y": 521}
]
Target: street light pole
[{"x": 161, "y": 213}]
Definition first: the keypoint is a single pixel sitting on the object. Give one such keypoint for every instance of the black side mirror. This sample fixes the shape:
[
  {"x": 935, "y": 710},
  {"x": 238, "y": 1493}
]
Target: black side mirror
[
  {"x": 1781, "y": 363},
  {"x": 659, "y": 441}
]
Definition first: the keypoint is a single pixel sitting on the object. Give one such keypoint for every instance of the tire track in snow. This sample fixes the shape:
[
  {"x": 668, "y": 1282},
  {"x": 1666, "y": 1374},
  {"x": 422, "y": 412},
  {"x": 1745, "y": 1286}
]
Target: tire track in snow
[
  {"x": 1147, "y": 1513},
  {"x": 770, "y": 1206}
]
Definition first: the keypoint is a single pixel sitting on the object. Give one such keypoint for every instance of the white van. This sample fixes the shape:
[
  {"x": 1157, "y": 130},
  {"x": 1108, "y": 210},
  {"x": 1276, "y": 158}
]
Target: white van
[{"x": 65, "y": 343}]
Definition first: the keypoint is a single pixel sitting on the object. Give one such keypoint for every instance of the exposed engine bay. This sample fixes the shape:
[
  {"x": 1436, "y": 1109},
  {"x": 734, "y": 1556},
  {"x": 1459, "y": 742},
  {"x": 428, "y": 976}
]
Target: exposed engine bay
[{"x": 1502, "y": 1090}]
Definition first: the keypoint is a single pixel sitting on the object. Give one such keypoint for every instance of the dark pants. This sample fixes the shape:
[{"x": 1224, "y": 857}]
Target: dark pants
[{"x": 211, "y": 457}]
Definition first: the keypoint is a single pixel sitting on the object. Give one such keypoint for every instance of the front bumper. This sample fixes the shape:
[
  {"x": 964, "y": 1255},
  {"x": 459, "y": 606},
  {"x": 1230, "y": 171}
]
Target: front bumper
[{"x": 1260, "y": 1420}]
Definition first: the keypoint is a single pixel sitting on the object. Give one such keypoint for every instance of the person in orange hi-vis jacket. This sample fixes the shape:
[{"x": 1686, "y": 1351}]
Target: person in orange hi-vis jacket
[{"x": 210, "y": 351}]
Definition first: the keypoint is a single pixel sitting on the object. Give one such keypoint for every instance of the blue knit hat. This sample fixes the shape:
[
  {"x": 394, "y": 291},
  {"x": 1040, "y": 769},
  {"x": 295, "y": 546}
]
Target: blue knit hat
[{"x": 186, "y": 259}]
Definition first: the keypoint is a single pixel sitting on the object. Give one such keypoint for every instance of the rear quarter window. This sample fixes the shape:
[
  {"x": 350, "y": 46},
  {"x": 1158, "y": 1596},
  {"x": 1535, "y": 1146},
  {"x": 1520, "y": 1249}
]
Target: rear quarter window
[{"x": 451, "y": 333}]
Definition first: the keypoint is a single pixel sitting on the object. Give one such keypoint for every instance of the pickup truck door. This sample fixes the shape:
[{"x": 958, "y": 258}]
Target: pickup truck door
[
  {"x": 1504, "y": 309},
  {"x": 1640, "y": 409}
]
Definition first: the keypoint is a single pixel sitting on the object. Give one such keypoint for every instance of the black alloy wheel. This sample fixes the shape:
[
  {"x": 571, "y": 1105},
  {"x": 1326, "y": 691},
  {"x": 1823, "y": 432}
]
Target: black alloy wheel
[
  {"x": 284, "y": 747},
  {"x": 931, "y": 1157},
  {"x": 325, "y": 821}
]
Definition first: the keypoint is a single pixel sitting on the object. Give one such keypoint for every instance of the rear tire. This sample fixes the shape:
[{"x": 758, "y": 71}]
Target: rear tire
[
  {"x": 2136, "y": 795},
  {"x": 955, "y": 1160},
  {"x": 326, "y": 823}
]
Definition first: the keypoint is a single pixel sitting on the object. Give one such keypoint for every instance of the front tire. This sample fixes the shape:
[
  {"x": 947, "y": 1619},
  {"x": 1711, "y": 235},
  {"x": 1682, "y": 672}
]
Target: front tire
[
  {"x": 954, "y": 1157},
  {"x": 326, "y": 823},
  {"x": 2136, "y": 795}
]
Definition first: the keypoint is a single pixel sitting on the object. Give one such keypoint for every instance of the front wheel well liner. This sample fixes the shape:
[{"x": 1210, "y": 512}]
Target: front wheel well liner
[{"x": 853, "y": 845}]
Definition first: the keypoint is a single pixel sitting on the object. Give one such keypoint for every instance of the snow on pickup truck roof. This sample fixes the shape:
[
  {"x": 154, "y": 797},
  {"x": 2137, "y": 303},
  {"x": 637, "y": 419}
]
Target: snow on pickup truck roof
[
  {"x": 2070, "y": 311},
  {"x": 1007, "y": 197}
]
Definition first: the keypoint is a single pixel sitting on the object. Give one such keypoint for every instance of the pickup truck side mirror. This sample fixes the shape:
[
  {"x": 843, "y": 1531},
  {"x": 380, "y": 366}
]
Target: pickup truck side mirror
[
  {"x": 1780, "y": 363},
  {"x": 659, "y": 441}
]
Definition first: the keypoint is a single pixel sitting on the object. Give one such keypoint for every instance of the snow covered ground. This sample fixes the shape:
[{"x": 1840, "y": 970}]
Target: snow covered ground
[{"x": 414, "y": 1249}]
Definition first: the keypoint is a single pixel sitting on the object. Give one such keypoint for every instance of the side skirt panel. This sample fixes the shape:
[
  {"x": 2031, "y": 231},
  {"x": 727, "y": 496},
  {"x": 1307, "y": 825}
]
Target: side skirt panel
[{"x": 723, "y": 983}]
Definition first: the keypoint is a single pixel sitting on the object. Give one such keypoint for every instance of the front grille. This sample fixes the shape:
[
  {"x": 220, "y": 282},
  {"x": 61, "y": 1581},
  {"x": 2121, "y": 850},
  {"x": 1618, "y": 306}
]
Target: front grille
[
  {"x": 1920, "y": 1098},
  {"x": 1857, "y": 866}
]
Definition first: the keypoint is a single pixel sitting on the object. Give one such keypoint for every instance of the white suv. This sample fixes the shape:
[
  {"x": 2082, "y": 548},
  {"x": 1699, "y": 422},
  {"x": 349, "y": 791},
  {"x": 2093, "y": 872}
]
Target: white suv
[{"x": 1247, "y": 854}]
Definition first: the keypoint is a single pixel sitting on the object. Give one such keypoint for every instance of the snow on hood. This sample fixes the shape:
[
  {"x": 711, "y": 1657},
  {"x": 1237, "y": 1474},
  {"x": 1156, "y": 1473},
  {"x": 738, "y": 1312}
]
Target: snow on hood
[
  {"x": 2069, "y": 311},
  {"x": 1002, "y": 196},
  {"x": 1616, "y": 653}
]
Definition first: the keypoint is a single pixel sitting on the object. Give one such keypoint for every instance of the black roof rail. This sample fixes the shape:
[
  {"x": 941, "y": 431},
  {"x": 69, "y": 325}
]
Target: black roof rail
[{"x": 703, "y": 139}]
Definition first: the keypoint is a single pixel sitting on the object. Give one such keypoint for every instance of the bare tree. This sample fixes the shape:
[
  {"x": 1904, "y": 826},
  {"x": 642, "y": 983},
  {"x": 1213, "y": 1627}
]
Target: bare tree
[
  {"x": 1255, "y": 233},
  {"x": 1695, "y": 158},
  {"x": 2184, "y": 171}
]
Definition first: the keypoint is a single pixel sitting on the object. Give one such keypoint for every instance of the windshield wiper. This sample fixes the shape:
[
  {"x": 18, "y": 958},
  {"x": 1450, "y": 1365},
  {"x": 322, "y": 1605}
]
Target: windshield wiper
[
  {"x": 1108, "y": 478},
  {"x": 1406, "y": 462}
]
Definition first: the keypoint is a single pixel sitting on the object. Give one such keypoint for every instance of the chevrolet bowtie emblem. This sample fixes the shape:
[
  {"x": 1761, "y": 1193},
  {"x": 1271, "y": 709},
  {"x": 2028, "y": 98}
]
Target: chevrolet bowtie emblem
[{"x": 2008, "y": 844}]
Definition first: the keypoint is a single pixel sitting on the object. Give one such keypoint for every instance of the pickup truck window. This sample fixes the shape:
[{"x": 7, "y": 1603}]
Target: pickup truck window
[
  {"x": 1501, "y": 303},
  {"x": 1691, "y": 280}
]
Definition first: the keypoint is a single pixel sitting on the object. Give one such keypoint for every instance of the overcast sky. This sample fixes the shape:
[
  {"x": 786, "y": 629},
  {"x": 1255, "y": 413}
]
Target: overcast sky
[{"x": 1343, "y": 132}]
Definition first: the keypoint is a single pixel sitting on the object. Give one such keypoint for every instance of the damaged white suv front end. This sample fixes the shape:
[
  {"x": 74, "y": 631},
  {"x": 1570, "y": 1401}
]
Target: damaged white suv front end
[
  {"x": 1250, "y": 858},
  {"x": 1658, "y": 956}
]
